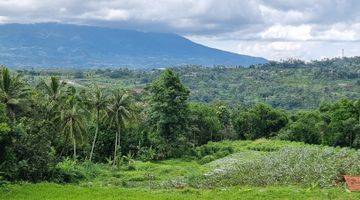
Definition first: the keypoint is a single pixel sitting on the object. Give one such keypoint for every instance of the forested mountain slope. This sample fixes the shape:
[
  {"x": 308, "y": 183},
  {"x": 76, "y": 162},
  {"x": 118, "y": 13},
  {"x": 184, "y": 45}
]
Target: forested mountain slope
[{"x": 65, "y": 45}]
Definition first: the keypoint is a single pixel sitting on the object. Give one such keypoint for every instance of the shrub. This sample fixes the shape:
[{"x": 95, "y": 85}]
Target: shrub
[
  {"x": 207, "y": 159},
  {"x": 306, "y": 127},
  {"x": 68, "y": 172},
  {"x": 271, "y": 145},
  {"x": 147, "y": 154},
  {"x": 261, "y": 121},
  {"x": 212, "y": 151}
]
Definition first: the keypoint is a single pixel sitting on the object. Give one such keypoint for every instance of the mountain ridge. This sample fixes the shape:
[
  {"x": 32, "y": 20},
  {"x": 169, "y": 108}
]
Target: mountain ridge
[{"x": 69, "y": 45}]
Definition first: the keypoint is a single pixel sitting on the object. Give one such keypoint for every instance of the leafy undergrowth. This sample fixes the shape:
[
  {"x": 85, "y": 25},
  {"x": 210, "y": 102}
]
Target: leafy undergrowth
[
  {"x": 136, "y": 174},
  {"x": 55, "y": 192},
  {"x": 227, "y": 164}
]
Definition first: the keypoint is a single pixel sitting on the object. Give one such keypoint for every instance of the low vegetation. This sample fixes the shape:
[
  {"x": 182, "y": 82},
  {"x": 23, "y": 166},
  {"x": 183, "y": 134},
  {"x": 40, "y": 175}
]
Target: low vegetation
[{"x": 52, "y": 191}]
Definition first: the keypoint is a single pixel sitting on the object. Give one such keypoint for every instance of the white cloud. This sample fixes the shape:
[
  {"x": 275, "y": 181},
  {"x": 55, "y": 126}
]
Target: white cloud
[
  {"x": 280, "y": 32},
  {"x": 106, "y": 14},
  {"x": 3, "y": 19},
  {"x": 269, "y": 28}
]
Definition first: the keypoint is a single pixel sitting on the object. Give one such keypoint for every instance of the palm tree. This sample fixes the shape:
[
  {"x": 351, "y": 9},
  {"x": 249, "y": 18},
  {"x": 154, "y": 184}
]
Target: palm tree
[
  {"x": 12, "y": 92},
  {"x": 72, "y": 118},
  {"x": 119, "y": 110},
  {"x": 53, "y": 88},
  {"x": 53, "y": 91},
  {"x": 97, "y": 100}
]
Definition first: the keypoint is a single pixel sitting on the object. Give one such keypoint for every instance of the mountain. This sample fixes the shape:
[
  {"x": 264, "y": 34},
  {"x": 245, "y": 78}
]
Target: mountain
[{"x": 65, "y": 45}]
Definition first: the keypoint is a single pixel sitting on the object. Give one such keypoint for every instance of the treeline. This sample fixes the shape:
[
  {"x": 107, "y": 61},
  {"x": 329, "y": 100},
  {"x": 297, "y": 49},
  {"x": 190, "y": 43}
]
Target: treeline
[
  {"x": 41, "y": 124},
  {"x": 289, "y": 84}
]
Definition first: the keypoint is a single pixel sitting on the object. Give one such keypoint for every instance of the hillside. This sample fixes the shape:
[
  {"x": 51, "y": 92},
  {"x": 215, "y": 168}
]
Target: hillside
[
  {"x": 287, "y": 85},
  {"x": 64, "y": 45}
]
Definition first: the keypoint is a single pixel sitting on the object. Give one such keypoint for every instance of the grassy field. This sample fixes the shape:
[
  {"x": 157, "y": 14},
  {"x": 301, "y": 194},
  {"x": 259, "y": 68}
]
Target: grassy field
[
  {"x": 54, "y": 191},
  {"x": 261, "y": 169}
]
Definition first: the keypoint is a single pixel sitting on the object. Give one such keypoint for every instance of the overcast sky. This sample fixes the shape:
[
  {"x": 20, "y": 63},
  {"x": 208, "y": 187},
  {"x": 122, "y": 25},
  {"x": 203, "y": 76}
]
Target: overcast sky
[{"x": 274, "y": 29}]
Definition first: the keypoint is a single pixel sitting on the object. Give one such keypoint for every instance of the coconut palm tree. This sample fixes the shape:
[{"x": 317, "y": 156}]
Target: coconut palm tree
[
  {"x": 53, "y": 89},
  {"x": 119, "y": 111},
  {"x": 72, "y": 119},
  {"x": 13, "y": 92},
  {"x": 96, "y": 100}
]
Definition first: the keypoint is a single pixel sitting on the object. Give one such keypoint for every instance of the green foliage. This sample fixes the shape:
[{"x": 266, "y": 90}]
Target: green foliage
[
  {"x": 72, "y": 118},
  {"x": 69, "y": 172},
  {"x": 212, "y": 151},
  {"x": 306, "y": 127},
  {"x": 118, "y": 111},
  {"x": 260, "y": 121},
  {"x": 44, "y": 120},
  {"x": 58, "y": 192},
  {"x": 12, "y": 93},
  {"x": 271, "y": 145},
  {"x": 204, "y": 124},
  {"x": 343, "y": 119},
  {"x": 169, "y": 113},
  {"x": 29, "y": 155}
]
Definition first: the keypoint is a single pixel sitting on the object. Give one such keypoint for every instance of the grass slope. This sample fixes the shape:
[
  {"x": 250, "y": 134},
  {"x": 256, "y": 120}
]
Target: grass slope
[{"x": 54, "y": 192}]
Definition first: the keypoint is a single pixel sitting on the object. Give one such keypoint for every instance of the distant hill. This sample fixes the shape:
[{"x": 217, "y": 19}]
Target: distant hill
[{"x": 64, "y": 45}]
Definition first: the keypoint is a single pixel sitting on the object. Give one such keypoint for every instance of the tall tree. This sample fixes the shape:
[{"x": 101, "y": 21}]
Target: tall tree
[
  {"x": 169, "y": 111},
  {"x": 52, "y": 89},
  {"x": 73, "y": 119},
  {"x": 13, "y": 92},
  {"x": 118, "y": 110},
  {"x": 224, "y": 116},
  {"x": 204, "y": 123},
  {"x": 96, "y": 100},
  {"x": 52, "y": 100}
]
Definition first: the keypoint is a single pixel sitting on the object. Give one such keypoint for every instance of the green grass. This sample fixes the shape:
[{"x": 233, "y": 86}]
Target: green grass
[
  {"x": 257, "y": 145},
  {"x": 261, "y": 169},
  {"x": 250, "y": 163},
  {"x": 140, "y": 174},
  {"x": 56, "y": 192}
]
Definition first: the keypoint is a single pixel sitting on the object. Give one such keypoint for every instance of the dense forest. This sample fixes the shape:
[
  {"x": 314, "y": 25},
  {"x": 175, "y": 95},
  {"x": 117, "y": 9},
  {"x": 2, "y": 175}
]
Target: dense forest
[
  {"x": 290, "y": 84},
  {"x": 116, "y": 115}
]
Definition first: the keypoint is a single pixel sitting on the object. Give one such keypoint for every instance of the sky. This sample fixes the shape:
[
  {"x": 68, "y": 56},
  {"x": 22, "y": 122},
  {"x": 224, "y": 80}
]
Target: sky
[{"x": 273, "y": 29}]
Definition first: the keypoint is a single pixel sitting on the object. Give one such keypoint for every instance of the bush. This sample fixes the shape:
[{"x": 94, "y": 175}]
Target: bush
[
  {"x": 68, "y": 172},
  {"x": 271, "y": 145},
  {"x": 212, "y": 151},
  {"x": 260, "y": 121},
  {"x": 207, "y": 159},
  {"x": 26, "y": 154},
  {"x": 306, "y": 127},
  {"x": 147, "y": 154}
]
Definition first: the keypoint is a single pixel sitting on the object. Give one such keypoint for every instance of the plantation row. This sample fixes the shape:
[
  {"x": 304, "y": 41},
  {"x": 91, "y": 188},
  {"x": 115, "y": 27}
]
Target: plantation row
[{"x": 44, "y": 123}]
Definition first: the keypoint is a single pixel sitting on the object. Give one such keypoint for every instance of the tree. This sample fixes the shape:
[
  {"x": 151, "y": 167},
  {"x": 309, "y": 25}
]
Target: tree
[
  {"x": 224, "y": 116},
  {"x": 52, "y": 89},
  {"x": 72, "y": 118},
  {"x": 305, "y": 127},
  {"x": 261, "y": 121},
  {"x": 204, "y": 123},
  {"x": 169, "y": 112},
  {"x": 343, "y": 123},
  {"x": 51, "y": 101},
  {"x": 118, "y": 111},
  {"x": 97, "y": 101},
  {"x": 12, "y": 93}
]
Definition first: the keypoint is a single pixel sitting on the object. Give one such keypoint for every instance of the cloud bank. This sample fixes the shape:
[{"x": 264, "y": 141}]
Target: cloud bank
[{"x": 275, "y": 29}]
